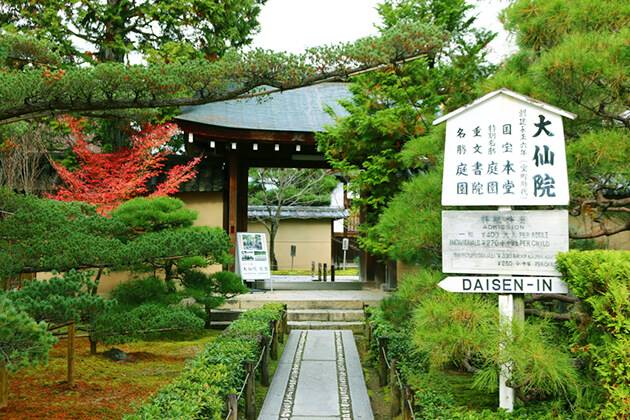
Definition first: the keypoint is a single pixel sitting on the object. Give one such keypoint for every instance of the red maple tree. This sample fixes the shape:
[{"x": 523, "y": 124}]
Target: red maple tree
[{"x": 108, "y": 179}]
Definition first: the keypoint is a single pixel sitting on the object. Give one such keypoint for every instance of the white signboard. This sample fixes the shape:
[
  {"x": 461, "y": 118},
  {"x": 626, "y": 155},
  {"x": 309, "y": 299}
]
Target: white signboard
[
  {"x": 504, "y": 151},
  {"x": 252, "y": 256},
  {"x": 504, "y": 242},
  {"x": 538, "y": 285}
]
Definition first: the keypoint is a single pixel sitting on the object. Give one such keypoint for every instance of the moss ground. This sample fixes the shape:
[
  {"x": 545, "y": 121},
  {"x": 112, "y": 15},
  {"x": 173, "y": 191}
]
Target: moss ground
[{"x": 103, "y": 389}]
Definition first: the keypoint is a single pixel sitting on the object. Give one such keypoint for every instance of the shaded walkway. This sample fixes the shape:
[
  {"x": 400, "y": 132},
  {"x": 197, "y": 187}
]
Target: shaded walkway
[{"x": 319, "y": 377}]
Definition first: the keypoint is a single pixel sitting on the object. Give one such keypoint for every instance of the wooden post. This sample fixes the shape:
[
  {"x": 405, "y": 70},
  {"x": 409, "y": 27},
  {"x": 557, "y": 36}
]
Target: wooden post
[
  {"x": 4, "y": 384},
  {"x": 281, "y": 330},
  {"x": 71, "y": 331},
  {"x": 506, "y": 393},
  {"x": 232, "y": 407},
  {"x": 407, "y": 401},
  {"x": 382, "y": 363},
  {"x": 332, "y": 272},
  {"x": 250, "y": 392},
  {"x": 264, "y": 363},
  {"x": 285, "y": 320},
  {"x": 274, "y": 339},
  {"x": 325, "y": 271},
  {"x": 319, "y": 271},
  {"x": 395, "y": 390}
]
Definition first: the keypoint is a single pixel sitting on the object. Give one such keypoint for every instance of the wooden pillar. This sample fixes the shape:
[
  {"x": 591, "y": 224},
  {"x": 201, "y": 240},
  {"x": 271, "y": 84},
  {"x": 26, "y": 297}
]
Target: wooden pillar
[
  {"x": 241, "y": 196},
  {"x": 232, "y": 201}
]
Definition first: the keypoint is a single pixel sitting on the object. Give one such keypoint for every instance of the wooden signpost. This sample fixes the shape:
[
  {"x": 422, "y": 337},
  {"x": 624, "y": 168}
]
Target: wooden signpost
[{"x": 504, "y": 149}]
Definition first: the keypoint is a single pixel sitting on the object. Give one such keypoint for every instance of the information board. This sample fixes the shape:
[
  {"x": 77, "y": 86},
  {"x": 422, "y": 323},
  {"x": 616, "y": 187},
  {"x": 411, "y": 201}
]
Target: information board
[
  {"x": 505, "y": 152},
  {"x": 504, "y": 242},
  {"x": 252, "y": 256}
]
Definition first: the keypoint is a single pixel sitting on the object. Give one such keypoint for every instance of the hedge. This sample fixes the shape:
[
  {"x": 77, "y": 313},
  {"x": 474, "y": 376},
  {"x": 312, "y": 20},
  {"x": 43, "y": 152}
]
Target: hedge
[{"x": 201, "y": 390}]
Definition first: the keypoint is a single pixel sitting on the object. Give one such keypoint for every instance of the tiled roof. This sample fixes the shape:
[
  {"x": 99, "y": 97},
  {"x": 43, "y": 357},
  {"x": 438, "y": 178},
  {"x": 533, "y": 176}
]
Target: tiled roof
[
  {"x": 299, "y": 109},
  {"x": 299, "y": 212}
]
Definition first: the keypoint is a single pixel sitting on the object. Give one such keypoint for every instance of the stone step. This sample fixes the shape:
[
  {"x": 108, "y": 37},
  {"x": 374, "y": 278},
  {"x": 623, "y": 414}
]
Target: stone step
[
  {"x": 225, "y": 314},
  {"x": 219, "y": 325},
  {"x": 326, "y": 315},
  {"x": 354, "y": 326},
  {"x": 312, "y": 285}
]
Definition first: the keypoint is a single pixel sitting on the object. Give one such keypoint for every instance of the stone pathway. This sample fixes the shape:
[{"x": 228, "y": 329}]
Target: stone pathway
[{"x": 319, "y": 377}]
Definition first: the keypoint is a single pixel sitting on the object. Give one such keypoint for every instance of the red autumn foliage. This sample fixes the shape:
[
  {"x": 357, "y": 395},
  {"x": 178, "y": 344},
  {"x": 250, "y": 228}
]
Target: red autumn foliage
[{"x": 108, "y": 179}]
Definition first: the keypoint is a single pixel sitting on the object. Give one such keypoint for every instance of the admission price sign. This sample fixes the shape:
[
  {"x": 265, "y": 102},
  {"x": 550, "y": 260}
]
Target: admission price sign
[
  {"x": 504, "y": 149},
  {"x": 506, "y": 242}
]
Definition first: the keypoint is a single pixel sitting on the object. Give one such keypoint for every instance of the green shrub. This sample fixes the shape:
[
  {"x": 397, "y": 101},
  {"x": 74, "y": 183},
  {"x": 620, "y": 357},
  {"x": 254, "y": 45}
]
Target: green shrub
[
  {"x": 121, "y": 324},
  {"x": 201, "y": 390},
  {"x": 453, "y": 328},
  {"x": 60, "y": 299},
  {"x": 601, "y": 279},
  {"x": 136, "y": 292},
  {"x": 211, "y": 290}
]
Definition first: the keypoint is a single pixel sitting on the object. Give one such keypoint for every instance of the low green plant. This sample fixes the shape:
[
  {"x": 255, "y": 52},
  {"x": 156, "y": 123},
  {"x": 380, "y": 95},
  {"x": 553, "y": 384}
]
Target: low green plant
[
  {"x": 202, "y": 390},
  {"x": 121, "y": 324}
]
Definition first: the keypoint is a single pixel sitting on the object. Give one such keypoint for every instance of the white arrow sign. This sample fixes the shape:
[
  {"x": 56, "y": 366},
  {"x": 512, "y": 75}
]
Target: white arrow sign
[{"x": 474, "y": 284}]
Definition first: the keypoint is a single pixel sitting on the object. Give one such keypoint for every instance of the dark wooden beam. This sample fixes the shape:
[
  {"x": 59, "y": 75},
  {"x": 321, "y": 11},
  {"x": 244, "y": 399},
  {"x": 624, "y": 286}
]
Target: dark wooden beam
[{"x": 241, "y": 135}]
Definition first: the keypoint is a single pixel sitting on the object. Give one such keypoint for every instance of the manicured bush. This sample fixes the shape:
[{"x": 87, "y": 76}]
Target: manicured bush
[
  {"x": 136, "y": 292},
  {"x": 62, "y": 298},
  {"x": 201, "y": 390},
  {"x": 601, "y": 339},
  {"x": 121, "y": 324},
  {"x": 211, "y": 290}
]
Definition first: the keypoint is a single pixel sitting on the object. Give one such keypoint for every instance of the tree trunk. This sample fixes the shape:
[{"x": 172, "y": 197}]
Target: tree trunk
[
  {"x": 168, "y": 277},
  {"x": 4, "y": 385},
  {"x": 71, "y": 331},
  {"x": 92, "y": 344},
  {"x": 272, "y": 245}
]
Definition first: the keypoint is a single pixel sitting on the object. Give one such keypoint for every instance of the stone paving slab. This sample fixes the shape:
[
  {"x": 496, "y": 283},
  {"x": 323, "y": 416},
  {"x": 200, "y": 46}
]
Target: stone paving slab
[{"x": 319, "y": 377}]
